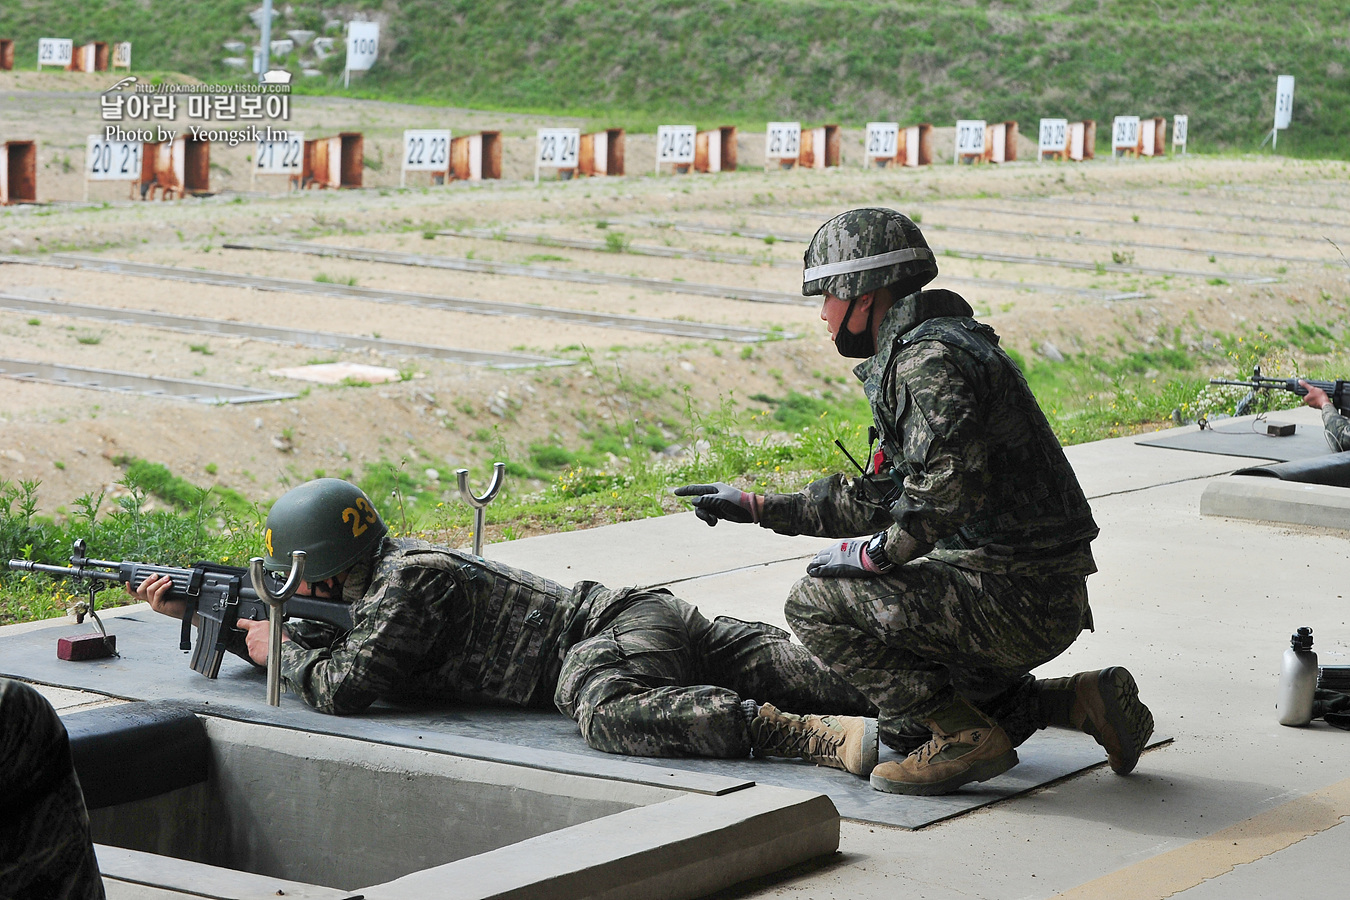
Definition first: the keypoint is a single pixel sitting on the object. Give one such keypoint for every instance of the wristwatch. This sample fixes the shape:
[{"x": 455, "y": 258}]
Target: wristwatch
[{"x": 876, "y": 553}]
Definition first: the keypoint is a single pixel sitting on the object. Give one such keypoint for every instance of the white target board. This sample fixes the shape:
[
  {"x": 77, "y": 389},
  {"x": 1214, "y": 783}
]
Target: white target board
[
  {"x": 1054, "y": 137},
  {"x": 557, "y": 148},
  {"x": 1284, "y": 101},
  {"x": 106, "y": 160},
  {"x": 970, "y": 137},
  {"x": 1180, "y": 125},
  {"x": 783, "y": 140},
  {"x": 426, "y": 150},
  {"x": 883, "y": 141},
  {"x": 363, "y": 45},
  {"x": 55, "y": 52},
  {"x": 675, "y": 144},
  {"x": 121, "y": 56},
  {"x": 1125, "y": 133},
  {"x": 281, "y": 157}
]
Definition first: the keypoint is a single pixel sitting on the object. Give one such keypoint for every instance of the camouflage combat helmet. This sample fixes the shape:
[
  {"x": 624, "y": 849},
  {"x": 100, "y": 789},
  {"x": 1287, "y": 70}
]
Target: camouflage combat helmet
[
  {"x": 330, "y": 519},
  {"x": 864, "y": 249}
]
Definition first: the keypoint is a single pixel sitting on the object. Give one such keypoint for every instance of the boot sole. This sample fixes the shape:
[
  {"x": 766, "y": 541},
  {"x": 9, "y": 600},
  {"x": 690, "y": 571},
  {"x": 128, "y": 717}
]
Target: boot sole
[
  {"x": 1127, "y": 716},
  {"x": 869, "y": 748},
  {"x": 980, "y": 771}
]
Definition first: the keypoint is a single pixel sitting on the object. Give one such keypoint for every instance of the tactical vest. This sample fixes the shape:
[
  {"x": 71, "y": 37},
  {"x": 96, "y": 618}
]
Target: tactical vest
[{"x": 1034, "y": 501}]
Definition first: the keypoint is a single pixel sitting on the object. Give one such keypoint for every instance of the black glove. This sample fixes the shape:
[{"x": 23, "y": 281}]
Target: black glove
[
  {"x": 721, "y": 501},
  {"x": 843, "y": 559}
]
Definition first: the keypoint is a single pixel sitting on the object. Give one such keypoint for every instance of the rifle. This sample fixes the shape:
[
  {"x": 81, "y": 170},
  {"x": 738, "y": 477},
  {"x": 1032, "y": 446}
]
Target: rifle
[
  {"x": 218, "y": 595},
  {"x": 1338, "y": 391}
]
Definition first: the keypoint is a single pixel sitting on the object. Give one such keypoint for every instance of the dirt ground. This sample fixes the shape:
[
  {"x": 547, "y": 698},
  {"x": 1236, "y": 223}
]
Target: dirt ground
[{"x": 1200, "y": 245}]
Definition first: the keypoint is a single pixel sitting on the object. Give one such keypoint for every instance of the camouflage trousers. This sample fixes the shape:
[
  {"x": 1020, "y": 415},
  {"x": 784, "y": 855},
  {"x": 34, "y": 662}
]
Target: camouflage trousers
[
  {"x": 45, "y": 849},
  {"x": 914, "y": 638},
  {"x": 653, "y": 677}
]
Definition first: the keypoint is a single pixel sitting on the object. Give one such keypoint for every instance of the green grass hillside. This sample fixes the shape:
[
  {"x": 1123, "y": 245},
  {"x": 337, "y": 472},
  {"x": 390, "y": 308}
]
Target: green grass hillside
[{"x": 746, "y": 61}]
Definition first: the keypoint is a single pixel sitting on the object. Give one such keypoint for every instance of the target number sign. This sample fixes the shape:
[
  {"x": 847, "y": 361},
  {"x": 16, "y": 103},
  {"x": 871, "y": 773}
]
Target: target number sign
[
  {"x": 112, "y": 160},
  {"x": 1054, "y": 136},
  {"x": 363, "y": 45},
  {"x": 283, "y": 157},
  {"x": 558, "y": 148},
  {"x": 55, "y": 51},
  {"x": 1180, "y": 124},
  {"x": 783, "y": 140},
  {"x": 675, "y": 144},
  {"x": 970, "y": 137},
  {"x": 1125, "y": 133},
  {"x": 426, "y": 150},
  {"x": 1284, "y": 100},
  {"x": 883, "y": 139}
]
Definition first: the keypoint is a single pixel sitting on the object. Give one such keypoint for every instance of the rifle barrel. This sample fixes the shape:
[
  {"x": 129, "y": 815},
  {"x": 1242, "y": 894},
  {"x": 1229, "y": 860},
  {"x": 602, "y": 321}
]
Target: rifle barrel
[{"x": 24, "y": 565}]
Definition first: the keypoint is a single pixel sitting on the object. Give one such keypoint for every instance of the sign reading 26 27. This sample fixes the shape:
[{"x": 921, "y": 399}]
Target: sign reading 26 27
[{"x": 883, "y": 139}]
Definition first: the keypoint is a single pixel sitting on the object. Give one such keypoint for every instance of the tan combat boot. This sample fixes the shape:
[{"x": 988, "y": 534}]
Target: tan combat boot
[
  {"x": 966, "y": 746},
  {"x": 840, "y": 742},
  {"x": 1104, "y": 704}
]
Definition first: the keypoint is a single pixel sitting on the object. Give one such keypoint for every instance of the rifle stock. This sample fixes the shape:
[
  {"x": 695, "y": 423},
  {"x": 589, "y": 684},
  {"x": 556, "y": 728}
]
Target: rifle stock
[{"x": 216, "y": 595}]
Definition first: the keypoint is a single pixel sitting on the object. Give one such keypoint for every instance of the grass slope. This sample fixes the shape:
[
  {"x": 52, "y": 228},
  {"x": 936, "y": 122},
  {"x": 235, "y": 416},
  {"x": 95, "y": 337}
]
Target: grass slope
[{"x": 747, "y": 61}]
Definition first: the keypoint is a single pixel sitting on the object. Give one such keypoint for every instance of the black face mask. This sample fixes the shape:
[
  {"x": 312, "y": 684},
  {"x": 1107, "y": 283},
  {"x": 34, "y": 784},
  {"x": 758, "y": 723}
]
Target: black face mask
[{"x": 851, "y": 345}]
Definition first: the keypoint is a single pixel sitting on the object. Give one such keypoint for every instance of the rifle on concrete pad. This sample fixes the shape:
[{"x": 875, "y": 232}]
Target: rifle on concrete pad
[
  {"x": 217, "y": 595},
  {"x": 1338, "y": 391}
]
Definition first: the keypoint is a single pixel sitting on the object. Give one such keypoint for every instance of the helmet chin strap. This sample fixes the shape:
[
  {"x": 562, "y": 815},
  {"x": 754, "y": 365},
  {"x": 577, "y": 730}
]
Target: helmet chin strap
[{"x": 853, "y": 344}]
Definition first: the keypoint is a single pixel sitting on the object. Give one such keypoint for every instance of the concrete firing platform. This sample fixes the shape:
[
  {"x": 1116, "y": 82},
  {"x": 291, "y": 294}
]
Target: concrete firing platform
[
  {"x": 1198, "y": 607},
  {"x": 152, "y": 668}
]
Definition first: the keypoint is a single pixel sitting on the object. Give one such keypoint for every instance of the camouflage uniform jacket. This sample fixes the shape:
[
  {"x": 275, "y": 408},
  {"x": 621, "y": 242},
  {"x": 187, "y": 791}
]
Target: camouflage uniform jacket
[
  {"x": 434, "y": 623},
  {"x": 968, "y": 464},
  {"x": 1337, "y": 428}
]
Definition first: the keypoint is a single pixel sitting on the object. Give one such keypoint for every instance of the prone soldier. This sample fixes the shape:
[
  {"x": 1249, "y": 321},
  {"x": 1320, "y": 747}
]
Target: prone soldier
[{"x": 641, "y": 671}]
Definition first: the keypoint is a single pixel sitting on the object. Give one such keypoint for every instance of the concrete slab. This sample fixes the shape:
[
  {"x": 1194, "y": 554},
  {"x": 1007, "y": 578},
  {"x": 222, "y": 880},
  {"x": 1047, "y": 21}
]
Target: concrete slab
[
  {"x": 152, "y": 668},
  {"x": 1271, "y": 500}
]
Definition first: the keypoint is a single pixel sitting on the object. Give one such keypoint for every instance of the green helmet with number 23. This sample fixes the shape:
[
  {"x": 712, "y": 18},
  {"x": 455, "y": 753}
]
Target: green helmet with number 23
[{"x": 332, "y": 520}]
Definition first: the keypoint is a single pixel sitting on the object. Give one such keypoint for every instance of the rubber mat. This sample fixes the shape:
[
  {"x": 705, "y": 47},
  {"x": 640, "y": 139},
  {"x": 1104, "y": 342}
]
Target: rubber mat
[
  {"x": 1247, "y": 439},
  {"x": 152, "y": 668}
]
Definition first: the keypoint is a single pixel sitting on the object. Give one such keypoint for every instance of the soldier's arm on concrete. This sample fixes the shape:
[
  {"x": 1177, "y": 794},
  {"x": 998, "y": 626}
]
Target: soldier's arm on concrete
[{"x": 394, "y": 631}]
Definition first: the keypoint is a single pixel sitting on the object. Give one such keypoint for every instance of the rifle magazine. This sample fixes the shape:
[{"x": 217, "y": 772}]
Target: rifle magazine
[{"x": 207, "y": 653}]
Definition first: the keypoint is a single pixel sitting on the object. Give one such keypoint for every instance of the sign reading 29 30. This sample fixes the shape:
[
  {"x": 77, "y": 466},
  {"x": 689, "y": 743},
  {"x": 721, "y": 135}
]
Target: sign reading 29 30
[{"x": 281, "y": 157}]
